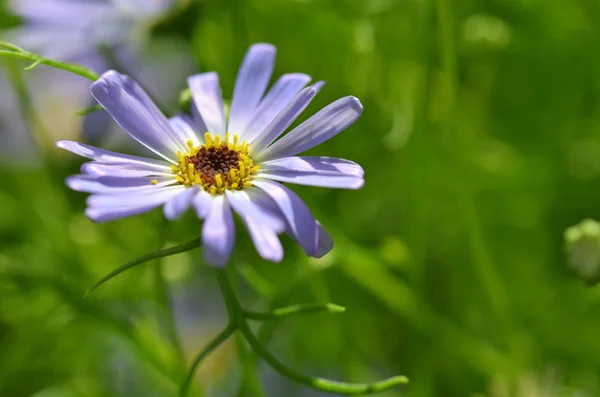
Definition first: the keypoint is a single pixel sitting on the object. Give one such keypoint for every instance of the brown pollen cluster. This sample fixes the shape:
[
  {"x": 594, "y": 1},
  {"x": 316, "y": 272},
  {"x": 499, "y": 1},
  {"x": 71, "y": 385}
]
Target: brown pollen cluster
[
  {"x": 209, "y": 162},
  {"x": 216, "y": 165}
]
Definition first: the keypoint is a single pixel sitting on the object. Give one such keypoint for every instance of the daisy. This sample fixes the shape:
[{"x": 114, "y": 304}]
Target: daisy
[{"x": 218, "y": 167}]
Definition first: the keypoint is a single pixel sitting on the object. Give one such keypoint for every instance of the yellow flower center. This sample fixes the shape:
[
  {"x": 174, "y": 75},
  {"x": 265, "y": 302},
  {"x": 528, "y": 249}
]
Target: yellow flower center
[{"x": 216, "y": 165}]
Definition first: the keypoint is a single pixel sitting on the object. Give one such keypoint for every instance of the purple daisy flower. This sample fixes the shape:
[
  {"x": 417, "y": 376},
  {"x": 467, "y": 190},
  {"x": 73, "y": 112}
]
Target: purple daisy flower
[{"x": 217, "y": 167}]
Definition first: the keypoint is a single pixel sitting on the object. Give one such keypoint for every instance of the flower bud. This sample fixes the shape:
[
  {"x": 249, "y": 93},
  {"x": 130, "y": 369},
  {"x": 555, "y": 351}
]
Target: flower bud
[
  {"x": 583, "y": 250},
  {"x": 486, "y": 32}
]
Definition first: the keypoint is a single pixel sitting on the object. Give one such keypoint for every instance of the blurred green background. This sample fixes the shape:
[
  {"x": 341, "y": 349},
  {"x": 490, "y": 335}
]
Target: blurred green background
[{"x": 480, "y": 141}]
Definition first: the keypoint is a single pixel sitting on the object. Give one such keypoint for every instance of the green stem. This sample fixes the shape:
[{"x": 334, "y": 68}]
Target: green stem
[
  {"x": 294, "y": 310},
  {"x": 251, "y": 378},
  {"x": 250, "y": 375},
  {"x": 17, "y": 52},
  {"x": 322, "y": 384},
  {"x": 86, "y": 111},
  {"x": 212, "y": 345},
  {"x": 190, "y": 245}
]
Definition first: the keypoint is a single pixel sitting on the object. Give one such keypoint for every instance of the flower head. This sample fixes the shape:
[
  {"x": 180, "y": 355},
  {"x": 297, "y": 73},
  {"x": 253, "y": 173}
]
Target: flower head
[{"x": 216, "y": 166}]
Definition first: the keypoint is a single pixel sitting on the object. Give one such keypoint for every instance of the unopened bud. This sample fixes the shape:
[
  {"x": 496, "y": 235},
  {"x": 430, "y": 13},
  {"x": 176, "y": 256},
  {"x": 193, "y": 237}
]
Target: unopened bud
[
  {"x": 185, "y": 100},
  {"x": 583, "y": 250}
]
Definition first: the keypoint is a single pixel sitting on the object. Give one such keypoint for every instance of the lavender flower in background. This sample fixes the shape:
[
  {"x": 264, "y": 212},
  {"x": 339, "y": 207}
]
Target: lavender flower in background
[
  {"x": 78, "y": 30},
  {"x": 217, "y": 166},
  {"x": 93, "y": 33}
]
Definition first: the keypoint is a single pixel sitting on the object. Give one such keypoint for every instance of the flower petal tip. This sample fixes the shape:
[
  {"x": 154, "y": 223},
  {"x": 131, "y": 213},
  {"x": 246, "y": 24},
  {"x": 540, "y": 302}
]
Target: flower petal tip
[
  {"x": 263, "y": 47},
  {"x": 94, "y": 215},
  {"x": 275, "y": 259},
  {"x": 73, "y": 182},
  {"x": 318, "y": 85},
  {"x": 215, "y": 261},
  {"x": 297, "y": 76},
  {"x": 356, "y": 104},
  {"x": 104, "y": 77},
  {"x": 358, "y": 185}
]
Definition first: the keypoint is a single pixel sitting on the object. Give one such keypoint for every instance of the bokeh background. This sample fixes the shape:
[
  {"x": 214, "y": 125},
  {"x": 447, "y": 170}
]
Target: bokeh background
[{"x": 480, "y": 141}]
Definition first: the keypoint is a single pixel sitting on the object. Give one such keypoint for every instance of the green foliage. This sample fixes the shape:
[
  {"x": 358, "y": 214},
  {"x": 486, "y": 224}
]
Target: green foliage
[{"x": 480, "y": 142}]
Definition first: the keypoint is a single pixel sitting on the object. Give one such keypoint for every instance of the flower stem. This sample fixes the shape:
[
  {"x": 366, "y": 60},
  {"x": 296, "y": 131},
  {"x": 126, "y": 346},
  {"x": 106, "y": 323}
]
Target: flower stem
[
  {"x": 14, "y": 51},
  {"x": 212, "y": 345},
  {"x": 190, "y": 245},
  {"x": 86, "y": 111},
  {"x": 250, "y": 374},
  {"x": 322, "y": 384},
  {"x": 294, "y": 310}
]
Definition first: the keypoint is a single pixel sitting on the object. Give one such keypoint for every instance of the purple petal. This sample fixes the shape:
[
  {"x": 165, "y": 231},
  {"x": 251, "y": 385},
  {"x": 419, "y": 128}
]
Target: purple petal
[
  {"x": 278, "y": 97},
  {"x": 324, "y": 241},
  {"x": 327, "y": 123},
  {"x": 111, "y": 184},
  {"x": 104, "y": 208},
  {"x": 262, "y": 224},
  {"x": 314, "y": 165},
  {"x": 300, "y": 178},
  {"x": 198, "y": 122},
  {"x": 111, "y": 214},
  {"x": 314, "y": 171},
  {"x": 123, "y": 170},
  {"x": 134, "y": 198},
  {"x": 218, "y": 233},
  {"x": 202, "y": 203},
  {"x": 184, "y": 128},
  {"x": 209, "y": 101},
  {"x": 301, "y": 223},
  {"x": 110, "y": 157},
  {"x": 135, "y": 112},
  {"x": 245, "y": 206},
  {"x": 285, "y": 118},
  {"x": 180, "y": 203},
  {"x": 265, "y": 240},
  {"x": 250, "y": 86}
]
